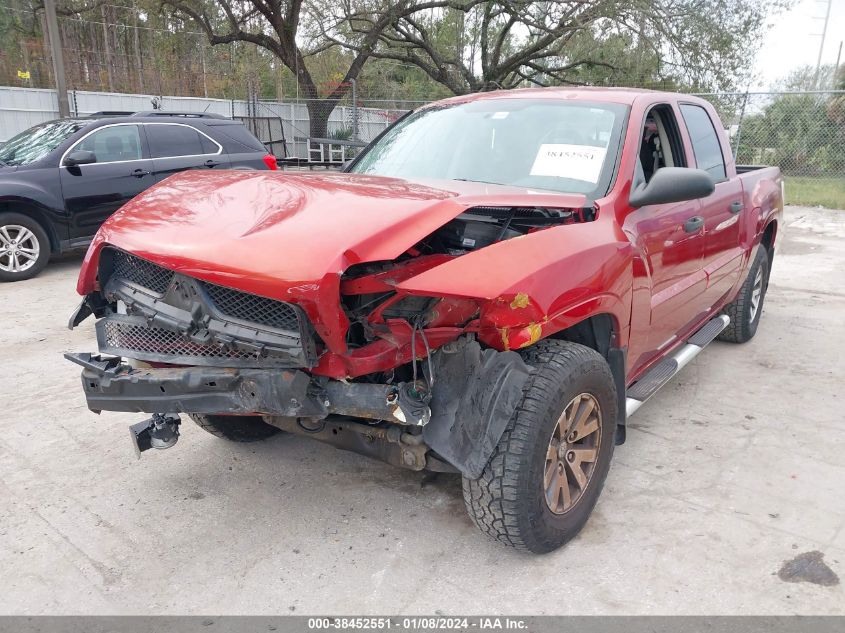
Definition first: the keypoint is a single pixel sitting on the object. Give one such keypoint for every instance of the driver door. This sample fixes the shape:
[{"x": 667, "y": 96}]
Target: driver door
[
  {"x": 670, "y": 239},
  {"x": 123, "y": 169}
]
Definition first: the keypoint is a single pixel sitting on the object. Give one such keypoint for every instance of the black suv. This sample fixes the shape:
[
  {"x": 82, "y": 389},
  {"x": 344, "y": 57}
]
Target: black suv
[{"x": 60, "y": 180}]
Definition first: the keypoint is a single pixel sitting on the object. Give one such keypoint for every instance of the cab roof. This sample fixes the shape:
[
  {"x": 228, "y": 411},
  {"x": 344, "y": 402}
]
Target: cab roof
[{"x": 624, "y": 96}]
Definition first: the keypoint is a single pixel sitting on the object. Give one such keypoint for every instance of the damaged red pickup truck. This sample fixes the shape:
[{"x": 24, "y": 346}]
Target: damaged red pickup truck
[{"x": 489, "y": 289}]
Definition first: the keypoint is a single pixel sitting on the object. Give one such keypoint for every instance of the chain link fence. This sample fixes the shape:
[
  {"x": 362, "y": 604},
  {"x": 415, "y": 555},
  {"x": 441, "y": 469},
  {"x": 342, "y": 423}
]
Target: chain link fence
[{"x": 801, "y": 132}]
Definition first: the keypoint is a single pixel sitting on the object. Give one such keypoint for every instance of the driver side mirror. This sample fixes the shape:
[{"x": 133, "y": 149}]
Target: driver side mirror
[
  {"x": 80, "y": 157},
  {"x": 673, "y": 184}
]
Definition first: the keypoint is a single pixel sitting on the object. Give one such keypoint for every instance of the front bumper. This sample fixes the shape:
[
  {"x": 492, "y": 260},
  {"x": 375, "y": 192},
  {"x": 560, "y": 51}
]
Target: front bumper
[{"x": 111, "y": 385}]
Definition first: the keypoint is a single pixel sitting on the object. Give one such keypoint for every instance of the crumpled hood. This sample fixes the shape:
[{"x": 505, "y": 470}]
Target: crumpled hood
[{"x": 282, "y": 232}]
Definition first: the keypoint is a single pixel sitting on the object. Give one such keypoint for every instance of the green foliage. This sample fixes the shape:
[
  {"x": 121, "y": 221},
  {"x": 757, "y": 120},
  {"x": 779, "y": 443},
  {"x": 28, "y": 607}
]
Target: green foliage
[
  {"x": 475, "y": 45},
  {"x": 466, "y": 45},
  {"x": 796, "y": 133}
]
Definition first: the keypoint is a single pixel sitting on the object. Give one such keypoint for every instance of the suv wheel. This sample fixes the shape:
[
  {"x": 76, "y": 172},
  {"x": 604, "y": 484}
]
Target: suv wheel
[
  {"x": 547, "y": 472},
  {"x": 24, "y": 247}
]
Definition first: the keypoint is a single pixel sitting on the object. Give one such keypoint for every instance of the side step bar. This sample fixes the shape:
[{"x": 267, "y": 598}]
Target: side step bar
[{"x": 663, "y": 371}]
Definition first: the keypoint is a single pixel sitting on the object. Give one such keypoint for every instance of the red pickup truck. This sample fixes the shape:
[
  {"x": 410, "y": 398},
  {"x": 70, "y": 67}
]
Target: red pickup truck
[{"x": 489, "y": 289}]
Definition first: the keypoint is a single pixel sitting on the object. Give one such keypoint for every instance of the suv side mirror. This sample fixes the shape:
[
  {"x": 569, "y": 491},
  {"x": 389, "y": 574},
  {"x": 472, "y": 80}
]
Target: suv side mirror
[
  {"x": 673, "y": 184},
  {"x": 80, "y": 157}
]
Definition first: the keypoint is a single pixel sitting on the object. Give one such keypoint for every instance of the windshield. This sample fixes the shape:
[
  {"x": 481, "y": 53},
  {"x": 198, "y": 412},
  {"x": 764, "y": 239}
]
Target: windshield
[
  {"x": 36, "y": 142},
  {"x": 535, "y": 143}
]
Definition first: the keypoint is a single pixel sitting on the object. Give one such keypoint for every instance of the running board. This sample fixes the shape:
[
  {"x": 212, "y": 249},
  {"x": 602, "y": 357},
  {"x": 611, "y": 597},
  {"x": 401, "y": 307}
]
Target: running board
[{"x": 663, "y": 371}]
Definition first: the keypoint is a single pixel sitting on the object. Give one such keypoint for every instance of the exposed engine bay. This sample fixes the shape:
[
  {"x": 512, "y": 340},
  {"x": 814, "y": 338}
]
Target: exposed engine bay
[
  {"x": 367, "y": 291},
  {"x": 482, "y": 226}
]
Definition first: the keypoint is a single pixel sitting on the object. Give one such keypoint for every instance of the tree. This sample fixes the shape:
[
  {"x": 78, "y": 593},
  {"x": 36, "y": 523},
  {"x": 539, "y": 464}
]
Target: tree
[
  {"x": 276, "y": 25},
  {"x": 473, "y": 45},
  {"x": 804, "y": 79}
]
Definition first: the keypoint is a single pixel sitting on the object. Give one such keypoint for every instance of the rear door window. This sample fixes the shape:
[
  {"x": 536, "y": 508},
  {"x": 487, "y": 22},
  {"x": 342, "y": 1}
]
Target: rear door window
[
  {"x": 167, "y": 140},
  {"x": 705, "y": 141}
]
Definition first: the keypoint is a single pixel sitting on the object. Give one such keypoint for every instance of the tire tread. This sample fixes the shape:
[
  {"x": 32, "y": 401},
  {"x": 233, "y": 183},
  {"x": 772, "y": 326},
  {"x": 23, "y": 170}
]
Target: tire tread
[
  {"x": 491, "y": 500},
  {"x": 739, "y": 330}
]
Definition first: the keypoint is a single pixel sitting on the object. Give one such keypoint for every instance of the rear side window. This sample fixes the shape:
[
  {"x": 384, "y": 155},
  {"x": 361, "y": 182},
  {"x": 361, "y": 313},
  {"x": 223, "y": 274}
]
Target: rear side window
[
  {"x": 177, "y": 140},
  {"x": 705, "y": 141},
  {"x": 240, "y": 135}
]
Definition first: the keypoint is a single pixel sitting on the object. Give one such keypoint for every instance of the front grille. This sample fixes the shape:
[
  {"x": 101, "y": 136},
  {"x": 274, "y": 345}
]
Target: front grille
[
  {"x": 157, "y": 344},
  {"x": 249, "y": 307},
  {"x": 140, "y": 271},
  {"x": 172, "y": 318}
]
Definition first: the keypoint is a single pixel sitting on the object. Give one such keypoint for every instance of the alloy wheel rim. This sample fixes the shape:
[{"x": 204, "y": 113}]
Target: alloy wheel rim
[
  {"x": 572, "y": 453},
  {"x": 756, "y": 295},
  {"x": 19, "y": 248}
]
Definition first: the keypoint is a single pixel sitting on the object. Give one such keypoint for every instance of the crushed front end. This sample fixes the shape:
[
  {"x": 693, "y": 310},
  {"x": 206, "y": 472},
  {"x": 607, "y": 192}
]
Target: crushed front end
[
  {"x": 353, "y": 331},
  {"x": 172, "y": 344}
]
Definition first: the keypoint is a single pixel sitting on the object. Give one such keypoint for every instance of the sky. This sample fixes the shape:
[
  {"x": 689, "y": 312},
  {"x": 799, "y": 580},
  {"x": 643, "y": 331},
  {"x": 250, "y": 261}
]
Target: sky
[{"x": 794, "y": 37}]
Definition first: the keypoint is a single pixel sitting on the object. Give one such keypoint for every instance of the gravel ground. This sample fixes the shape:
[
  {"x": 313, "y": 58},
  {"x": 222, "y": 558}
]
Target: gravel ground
[{"x": 729, "y": 496}]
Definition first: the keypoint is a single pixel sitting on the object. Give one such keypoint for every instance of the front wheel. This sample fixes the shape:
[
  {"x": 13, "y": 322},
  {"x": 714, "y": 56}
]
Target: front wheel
[
  {"x": 235, "y": 428},
  {"x": 747, "y": 308},
  {"x": 24, "y": 247},
  {"x": 546, "y": 474}
]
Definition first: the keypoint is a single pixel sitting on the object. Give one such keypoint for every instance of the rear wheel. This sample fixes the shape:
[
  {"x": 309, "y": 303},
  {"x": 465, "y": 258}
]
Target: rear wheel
[
  {"x": 24, "y": 247},
  {"x": 747, "y": 308},
  {"x": 236, "y": 428},
  {"x": 547, "y": 472}
]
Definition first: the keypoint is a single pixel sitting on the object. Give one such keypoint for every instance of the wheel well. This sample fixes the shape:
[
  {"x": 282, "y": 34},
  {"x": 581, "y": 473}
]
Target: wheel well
[
  {"x": 768, "y": 239},
  {"x": 598, "y": 332},
  {"x": 33, "y": 211}
]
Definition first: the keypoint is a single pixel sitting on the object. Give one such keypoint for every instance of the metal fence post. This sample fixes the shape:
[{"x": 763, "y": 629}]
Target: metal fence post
[
  {"x": 739, "y": 124},
  {"x": 354, "y": 110}
]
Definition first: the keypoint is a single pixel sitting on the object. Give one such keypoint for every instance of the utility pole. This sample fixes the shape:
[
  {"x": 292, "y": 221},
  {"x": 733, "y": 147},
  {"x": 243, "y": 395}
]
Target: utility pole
[
  {"x": 821, "y": 45},
  {"x": 58, "y": 57}
]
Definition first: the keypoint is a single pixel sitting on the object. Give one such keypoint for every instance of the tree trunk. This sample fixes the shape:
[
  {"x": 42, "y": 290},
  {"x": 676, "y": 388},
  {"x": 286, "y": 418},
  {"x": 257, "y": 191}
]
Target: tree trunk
[
  {"x": 107, "y": 45},
  {"x": 319, "y": 111}
]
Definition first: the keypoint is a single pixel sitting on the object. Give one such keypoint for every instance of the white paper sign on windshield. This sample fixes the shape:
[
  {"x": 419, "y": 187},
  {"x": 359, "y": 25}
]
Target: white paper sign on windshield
[{"x": 581, "y": 162}]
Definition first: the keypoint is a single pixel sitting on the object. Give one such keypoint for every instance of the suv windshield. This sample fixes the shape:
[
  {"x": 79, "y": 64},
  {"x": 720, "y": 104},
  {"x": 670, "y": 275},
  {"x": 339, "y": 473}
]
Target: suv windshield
[
  {"x": 36, "y": 142},
  {"x": 536, "y": 143}
]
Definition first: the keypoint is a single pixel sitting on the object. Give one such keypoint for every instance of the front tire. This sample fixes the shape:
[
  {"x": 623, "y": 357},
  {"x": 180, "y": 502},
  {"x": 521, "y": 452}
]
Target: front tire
[
  {"x": 24, "y": 247},
  {"x": 546, "y": 474},
  {"x": 747, "y": 308},
  {"x": 235, "y": 428}
]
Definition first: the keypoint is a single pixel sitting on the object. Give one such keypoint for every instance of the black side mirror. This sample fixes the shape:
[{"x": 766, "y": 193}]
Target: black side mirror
[
  {"x": 673, "y": 184},
  {"x": 80, "y": 157}
]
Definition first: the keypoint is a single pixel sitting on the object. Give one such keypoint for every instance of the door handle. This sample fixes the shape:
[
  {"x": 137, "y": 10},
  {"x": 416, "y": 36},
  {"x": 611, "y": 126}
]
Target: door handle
[
  {"x": 693, "y": 224},
  {"x": 736, "y": 206},
  {"x": 140, "y": 173},
  {"x": 211, "y": 163}
]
